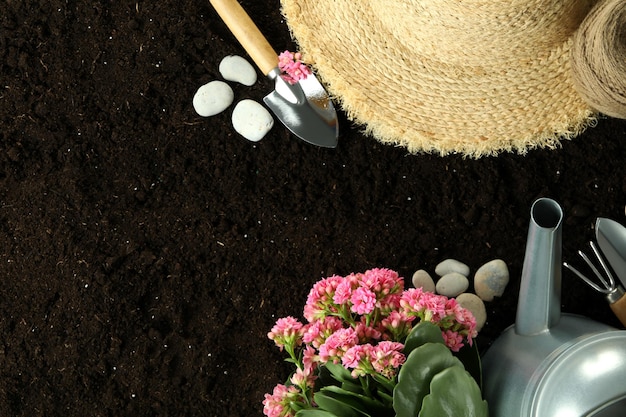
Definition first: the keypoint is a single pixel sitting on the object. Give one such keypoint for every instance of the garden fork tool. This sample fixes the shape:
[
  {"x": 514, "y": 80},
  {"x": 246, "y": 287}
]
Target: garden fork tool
[{"x": 613, "y": 291}]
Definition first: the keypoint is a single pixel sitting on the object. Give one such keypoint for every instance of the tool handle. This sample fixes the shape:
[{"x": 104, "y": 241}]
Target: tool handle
[
  {"x": 619, "y": 309},
  {"x": 247, "y": 33}
]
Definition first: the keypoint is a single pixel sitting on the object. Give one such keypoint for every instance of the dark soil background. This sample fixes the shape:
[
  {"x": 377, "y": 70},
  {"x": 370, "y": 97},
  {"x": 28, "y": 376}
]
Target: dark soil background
[{"x": 145, "y": 251}]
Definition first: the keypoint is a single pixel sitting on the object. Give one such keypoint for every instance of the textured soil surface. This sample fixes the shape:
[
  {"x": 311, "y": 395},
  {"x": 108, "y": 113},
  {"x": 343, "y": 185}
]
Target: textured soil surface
[{"x": 145, "y": 251}]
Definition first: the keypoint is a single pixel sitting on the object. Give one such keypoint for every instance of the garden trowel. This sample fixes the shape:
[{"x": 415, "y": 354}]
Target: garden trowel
[{"x": 304, "y": 107}]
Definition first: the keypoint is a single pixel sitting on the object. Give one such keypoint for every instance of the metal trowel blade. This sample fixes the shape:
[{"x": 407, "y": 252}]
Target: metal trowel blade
[
  {"x": 611, "y": 237},
  {"x": 305, "y": 109}
]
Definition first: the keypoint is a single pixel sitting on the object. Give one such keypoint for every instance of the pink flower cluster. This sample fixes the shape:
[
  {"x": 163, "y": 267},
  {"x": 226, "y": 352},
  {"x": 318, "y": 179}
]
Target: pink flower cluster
[
  {"x": 286, "y": 332},
  {"x": 360, "y": 321},
  {"x": 292, "y": 67},
  {"x": 384, "y": 358},
  {"x": 277, "y": 403}
]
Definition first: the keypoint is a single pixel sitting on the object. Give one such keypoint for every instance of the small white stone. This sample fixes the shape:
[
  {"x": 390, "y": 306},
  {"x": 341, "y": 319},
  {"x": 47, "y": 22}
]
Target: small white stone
[
  {"x": 452, "y": 265},
  {"x": 473, "y": 303},
  {"x": 236, "y": 68},
  {"x": 213, "y": 98},
  {"x": 491, "y": 279},
  {"x": 422, "y": 279},
  {"x": 452, "y": 284},
  {"x": 251, "y": 120}
]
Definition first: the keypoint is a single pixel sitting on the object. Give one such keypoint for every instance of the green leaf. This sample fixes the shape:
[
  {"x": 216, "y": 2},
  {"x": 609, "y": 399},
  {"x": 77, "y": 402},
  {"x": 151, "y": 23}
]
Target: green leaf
[
  {"x": 362, "y": 403},
  {"x": 324, "y": 378},
  {"x": 454, "y": 392},
  {"x": 314, "y": 413},
  {"x": 383, "y": 383},
  {"x": 339, "y": 372},
  {"x": 326, "y": 401},
  {"x": 388, "y": 399},
  {"x": 422, "y": 364},
  {"x": 470, "y": 357},
  {"x": 423, "y": 332},
  {"x": 352, "y": 386}
]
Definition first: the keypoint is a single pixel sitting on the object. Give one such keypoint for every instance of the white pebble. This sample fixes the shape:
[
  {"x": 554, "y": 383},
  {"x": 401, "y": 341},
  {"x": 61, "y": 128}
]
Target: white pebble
[
  {"x": 452, "y": 265},
  {"x": 213, "y": 98},
  {"x": 422, "y": 279},
  {"x": 476, "y": 306},
  {"x": 491, "y": 279},
  {"x": 251, "y": 120},
  {"x": 236, "y": 68},
  {"x": 452, "y": 284}
]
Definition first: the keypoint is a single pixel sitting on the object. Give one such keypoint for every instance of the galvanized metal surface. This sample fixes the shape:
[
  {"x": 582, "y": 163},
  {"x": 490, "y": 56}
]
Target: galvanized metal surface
[
  {"x": 550, "y": 364},
  {"x": 305, "y": 109}
]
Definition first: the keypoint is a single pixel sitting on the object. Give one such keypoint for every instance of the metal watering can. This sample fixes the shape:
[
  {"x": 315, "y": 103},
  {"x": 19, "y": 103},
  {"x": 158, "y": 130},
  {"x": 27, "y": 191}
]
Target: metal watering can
[{"x": 550, "y": 364}]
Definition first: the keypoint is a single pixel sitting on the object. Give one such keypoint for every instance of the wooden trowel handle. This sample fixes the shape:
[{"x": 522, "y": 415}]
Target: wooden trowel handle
[
  {"x": 247, "y": 33},
  {"x": 619, "y": 309}
]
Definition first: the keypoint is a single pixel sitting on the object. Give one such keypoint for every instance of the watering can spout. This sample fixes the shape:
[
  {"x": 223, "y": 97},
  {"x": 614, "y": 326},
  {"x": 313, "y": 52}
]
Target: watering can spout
[
  {"x": 541, "y": 365},
  {"x": 539, "y": 303}
]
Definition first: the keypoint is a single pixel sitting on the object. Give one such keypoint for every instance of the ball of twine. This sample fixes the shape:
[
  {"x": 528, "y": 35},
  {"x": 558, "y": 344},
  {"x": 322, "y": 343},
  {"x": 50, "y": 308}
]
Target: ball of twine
[{"x": 599, "y": 58}]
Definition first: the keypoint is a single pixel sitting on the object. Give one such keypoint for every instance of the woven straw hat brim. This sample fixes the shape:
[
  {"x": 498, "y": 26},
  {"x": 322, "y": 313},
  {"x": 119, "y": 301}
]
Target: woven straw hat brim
[{"x": 467, "y": 102}]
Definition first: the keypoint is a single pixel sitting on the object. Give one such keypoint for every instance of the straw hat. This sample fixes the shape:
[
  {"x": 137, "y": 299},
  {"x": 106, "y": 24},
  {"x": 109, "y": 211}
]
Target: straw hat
[{"x": 475, "y": 77}]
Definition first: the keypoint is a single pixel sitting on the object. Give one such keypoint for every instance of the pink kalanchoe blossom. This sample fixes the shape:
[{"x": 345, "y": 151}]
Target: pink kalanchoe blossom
[
  {"x": 310, "y": 359},
  {"x": 396, "y": 320},
  {"x": 277, "y": 403},
  {"x": 337, "y": 344},
  {"x": 411, "y": 299},
  {"x": 387, "y": 357},
  {"x": 445, "y": 312},
  {"x": 313, "y": 334},
  {"x": 423, "y": 304},
  {"x": 343, "y": 292},
  {"x": 382, "y": 281},
  {"x": 303, "y": 378},
  {"x": 363, "y": 300},
  {"x": 466, "y": 324},
  {"x": 459, "y": 319},
  {"x": 286, "y": 332},
  {"x": 453, "y": 340},
  {"x": 396, "y": 325},
  {"x": 319, "y": 302},
  {"x": 435, "y": 306},
  {"x": 292, "y": 67},
  {"x": 357, "y": 359},
  {"x": 384, "y": 358},
  {"x": 359, "y": 321},
  {"x": 316, "y": 333},
  {"x": 366, "y": 333},
  {"x": 354, "y": 355},
  {"x": 390, "y": 303}
]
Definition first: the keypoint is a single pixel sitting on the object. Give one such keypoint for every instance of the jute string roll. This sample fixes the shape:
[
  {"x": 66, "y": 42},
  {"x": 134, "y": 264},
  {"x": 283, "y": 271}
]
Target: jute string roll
[{"x": 599, "y": 58}]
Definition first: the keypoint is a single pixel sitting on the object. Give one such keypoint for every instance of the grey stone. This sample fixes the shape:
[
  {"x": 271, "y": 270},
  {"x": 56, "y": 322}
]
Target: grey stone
[
  {"x": 452, "y": 265},
  {"x": 491, "y": 279},
  {"x": 452, "y": 284},
  {"x": 251, "y": 120},
  {"x": 213, "y": 98},
  {"x": 236, "y": 68},
  {"x": 422, "y": 279}
]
